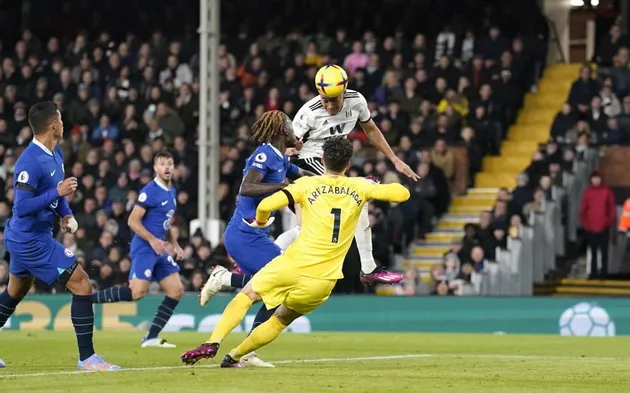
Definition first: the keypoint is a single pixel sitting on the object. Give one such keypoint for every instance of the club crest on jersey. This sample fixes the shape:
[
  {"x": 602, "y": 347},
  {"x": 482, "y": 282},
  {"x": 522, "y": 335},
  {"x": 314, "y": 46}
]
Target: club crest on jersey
[
  {"x": 169, "y": 218},
  {"x": 56, "y": 202}
]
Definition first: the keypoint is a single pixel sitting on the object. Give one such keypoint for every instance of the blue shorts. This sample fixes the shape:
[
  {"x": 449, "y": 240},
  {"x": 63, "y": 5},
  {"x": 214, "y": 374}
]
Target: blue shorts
[
  {"x": 147, "y": 265},
  {"x": 250, "y": 251},
  {"x": 44, "y": 258}
]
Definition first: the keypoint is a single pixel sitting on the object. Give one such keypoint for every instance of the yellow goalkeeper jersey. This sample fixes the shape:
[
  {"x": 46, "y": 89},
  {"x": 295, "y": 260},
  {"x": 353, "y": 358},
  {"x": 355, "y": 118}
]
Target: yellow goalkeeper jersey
[{"x": 330, "y": 212}]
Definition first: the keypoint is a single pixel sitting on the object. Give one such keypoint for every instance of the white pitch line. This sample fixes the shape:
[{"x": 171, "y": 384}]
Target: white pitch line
[{"x": 332, "y": 360}]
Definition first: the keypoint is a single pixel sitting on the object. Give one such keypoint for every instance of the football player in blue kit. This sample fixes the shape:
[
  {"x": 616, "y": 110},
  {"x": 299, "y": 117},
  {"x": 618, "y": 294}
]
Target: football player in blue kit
[
  {"x": 266, "y": 171},
  {"x": 150, "y": 251},
  {"x": 40, "y": 191}
]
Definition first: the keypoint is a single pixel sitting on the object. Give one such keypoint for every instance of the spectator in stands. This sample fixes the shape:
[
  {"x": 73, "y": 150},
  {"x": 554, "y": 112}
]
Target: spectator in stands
[
  {"x": 583, "y": 90},
  {"x": 522, "y": 194},
  {"x": 610, "y": 102},
  {"x": 443, "y": 158},
  {"x": 563, "y": 122},
  {"x": 535, "y": 206},
  {"x": 597, "y": 119},
  {"x": 620, "y": 72},
  {"x": 474, "y": 151},
  {"x": 598, "y": 214},
  {"x": 610, "y": 45},
  {"x": 422, "y": 192}
]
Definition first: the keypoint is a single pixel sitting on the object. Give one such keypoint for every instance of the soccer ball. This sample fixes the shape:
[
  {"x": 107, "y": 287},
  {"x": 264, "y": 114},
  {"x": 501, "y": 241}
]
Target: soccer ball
[
  {"x": 331, "y": 81},
  {"x": 586, "y": 319}
]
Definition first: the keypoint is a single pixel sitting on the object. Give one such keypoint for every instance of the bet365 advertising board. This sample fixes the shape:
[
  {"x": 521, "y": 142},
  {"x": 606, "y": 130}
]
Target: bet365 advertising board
[{"x": 531, "y": 315}]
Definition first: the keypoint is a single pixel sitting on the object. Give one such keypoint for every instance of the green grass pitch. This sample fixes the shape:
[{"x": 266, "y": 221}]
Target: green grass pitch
[{"x": 326, "y": 362}]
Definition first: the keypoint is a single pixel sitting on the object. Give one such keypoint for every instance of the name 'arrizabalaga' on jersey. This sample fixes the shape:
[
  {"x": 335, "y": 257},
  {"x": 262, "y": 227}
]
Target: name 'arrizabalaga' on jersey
[{"x": 324, "y": 189}]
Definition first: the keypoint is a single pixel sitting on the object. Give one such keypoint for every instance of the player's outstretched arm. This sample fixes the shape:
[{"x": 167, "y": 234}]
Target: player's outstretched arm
[
  {"x": 393, "y": 192},
  {"x": 376, "y": 137},
  {"x": 252, "y": 185}
]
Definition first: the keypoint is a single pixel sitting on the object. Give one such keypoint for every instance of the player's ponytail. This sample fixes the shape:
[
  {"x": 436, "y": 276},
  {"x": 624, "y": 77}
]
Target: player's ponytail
[{"x": 269, "y": 125}]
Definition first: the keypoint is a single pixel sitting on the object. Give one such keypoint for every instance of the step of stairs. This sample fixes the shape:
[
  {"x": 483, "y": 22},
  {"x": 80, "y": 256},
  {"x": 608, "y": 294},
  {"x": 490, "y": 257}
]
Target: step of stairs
[
  {"x": 469, "y": 210},
  {"x": 422, "y": 265},
  {"x": 446, "y": 236},
  {"x": 429, "y": 251},
  {"x": 474, "y": 200}
]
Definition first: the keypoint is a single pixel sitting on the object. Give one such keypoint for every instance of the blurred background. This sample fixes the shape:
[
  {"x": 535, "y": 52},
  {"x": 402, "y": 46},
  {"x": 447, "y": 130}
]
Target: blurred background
[{"x": 515, "y": 114}]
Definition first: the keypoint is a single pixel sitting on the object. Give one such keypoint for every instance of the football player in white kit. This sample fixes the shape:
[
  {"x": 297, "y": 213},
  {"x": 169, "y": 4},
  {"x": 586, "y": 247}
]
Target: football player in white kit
[{"x": 335, "y": 112}]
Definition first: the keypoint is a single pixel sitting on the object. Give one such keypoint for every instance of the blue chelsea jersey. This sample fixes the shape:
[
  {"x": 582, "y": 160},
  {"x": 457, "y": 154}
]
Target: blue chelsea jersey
[
  {"x": 159, "y": 203},
  {"x": 37, "y": 171},
  {"x": 275, "y": 167}
]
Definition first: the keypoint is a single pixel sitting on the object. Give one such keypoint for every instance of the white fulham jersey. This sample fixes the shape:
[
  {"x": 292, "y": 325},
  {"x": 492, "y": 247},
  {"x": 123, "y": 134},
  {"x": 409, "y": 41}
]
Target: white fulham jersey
[{"x": 314, "y": 125}]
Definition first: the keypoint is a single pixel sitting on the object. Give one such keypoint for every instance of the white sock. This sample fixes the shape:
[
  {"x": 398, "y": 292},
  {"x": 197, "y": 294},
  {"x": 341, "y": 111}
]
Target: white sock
[
  {"x": 286, "y": 239},
  {"x": 226, "y": 279},
  {"x": 363, "y": 236}
]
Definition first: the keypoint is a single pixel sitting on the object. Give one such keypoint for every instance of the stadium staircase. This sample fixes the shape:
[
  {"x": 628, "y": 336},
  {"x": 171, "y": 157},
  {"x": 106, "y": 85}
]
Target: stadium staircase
[{"x": 523, "y": 138}]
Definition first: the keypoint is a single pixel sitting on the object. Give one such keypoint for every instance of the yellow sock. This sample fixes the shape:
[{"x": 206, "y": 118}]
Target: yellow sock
[
  {"x": 232, "y": 316},
  {"x": 261, "y": 336}
]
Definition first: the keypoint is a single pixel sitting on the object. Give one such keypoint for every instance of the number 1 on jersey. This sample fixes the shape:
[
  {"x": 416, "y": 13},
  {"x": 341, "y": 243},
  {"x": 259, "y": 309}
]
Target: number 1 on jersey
[{"x": 336, "y": 212}]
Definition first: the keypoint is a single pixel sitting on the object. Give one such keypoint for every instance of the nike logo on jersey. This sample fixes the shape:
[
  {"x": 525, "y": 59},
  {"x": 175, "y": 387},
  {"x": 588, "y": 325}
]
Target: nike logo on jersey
[
  {"x": 53, "y": 173},
  {"x": 279, "y": 170},
  {"x": 164, "y": 203}
]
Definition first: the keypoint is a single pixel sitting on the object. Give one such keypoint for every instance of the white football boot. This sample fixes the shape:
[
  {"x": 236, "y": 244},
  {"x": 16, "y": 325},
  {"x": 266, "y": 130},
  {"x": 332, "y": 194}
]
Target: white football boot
[
  {"x": 251, "y": 360},
  {"x": 213, "y": 285},
  {"x": 156, "y": 343}
]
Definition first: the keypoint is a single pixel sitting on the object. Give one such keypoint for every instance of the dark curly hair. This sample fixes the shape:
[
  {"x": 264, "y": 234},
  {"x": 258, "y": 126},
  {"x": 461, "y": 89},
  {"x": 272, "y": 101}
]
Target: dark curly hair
[
  {"x": 269, "y": 125},
  {"x": 337, "y": 154}
]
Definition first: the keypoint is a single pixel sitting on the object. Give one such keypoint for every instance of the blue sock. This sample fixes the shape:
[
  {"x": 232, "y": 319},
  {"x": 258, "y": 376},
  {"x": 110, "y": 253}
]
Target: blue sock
[
  {"x": 112, "y": 295},
  {"x": 262, "y": 316},
  {"x": 82, "y": 316},
  {"x": 7, "y": 307},
  {"x": 239, "y": 280},
  {"x": 162, "y": 315}
]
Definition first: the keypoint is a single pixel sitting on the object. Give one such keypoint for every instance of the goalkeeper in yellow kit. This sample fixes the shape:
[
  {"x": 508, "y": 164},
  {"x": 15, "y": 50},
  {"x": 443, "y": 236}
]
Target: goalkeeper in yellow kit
[{"x": 301, "y": 279}]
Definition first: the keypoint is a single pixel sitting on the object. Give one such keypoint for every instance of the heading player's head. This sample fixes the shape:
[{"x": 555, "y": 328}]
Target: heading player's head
[
  {"x": 45, "y": 118},
  {"x": 164, "y": 166},
  {"x": 331, "y": 82},
  {"x": 337, "y": 154},
  {"x": 276, "y": 128}
]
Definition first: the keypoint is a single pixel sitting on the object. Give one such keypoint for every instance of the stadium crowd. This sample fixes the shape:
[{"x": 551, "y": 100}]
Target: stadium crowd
[
  {"x": 596, "y": 113},
  {"x": 124, "y": 96}
]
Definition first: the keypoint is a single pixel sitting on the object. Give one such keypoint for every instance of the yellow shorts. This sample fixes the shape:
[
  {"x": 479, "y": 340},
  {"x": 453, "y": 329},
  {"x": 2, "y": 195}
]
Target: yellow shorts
[{"x": 277, "y": 283}]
